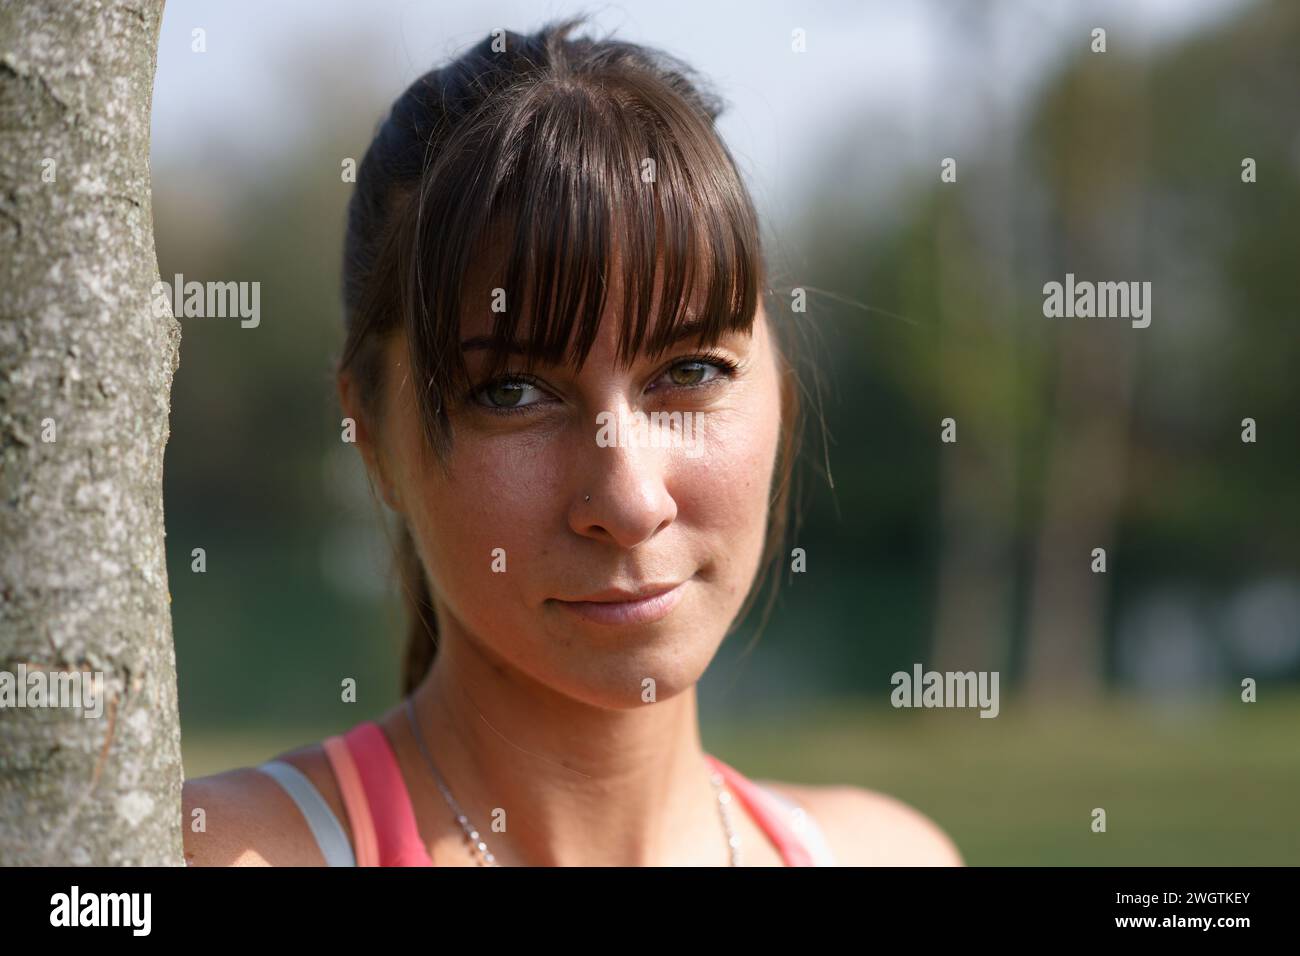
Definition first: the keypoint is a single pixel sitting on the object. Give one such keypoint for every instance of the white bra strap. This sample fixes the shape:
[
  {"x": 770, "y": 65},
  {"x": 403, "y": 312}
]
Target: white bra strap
[{"x": 325, "y": 826}]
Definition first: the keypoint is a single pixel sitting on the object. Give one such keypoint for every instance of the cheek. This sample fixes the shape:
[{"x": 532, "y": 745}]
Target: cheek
[
  {"x": 489, "y": 513},
  {"x": 734, "y": 470},
  {"x": 725, "y": 492}
]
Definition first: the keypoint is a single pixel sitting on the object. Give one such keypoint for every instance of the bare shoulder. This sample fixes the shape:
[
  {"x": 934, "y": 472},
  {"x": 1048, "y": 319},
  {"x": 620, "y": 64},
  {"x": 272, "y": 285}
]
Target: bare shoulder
[
  {"x": 868, "y": 828},
  {"x": 248, "y": 819}
]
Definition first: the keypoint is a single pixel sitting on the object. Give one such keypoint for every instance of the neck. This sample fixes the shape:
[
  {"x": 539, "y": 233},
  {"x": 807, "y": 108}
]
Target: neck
[{"x": 580, "y": 785}]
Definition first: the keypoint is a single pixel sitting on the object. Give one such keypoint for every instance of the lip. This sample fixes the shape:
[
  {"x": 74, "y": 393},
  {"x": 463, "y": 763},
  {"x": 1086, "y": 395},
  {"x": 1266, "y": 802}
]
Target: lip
[{"x": 614, "y": 606}]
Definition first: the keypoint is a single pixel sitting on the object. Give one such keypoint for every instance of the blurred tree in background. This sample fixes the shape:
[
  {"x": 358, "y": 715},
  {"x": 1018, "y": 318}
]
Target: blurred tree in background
[{"x": 1075, "y": 433}]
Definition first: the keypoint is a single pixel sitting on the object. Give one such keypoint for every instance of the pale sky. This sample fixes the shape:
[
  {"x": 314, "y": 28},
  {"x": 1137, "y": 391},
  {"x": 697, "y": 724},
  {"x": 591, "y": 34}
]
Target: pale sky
[{"x": 889, "y": 80}]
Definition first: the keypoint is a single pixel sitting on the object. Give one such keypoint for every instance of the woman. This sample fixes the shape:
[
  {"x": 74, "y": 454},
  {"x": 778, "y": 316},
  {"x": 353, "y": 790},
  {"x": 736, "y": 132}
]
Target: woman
[{"x": 566, "y": 386}]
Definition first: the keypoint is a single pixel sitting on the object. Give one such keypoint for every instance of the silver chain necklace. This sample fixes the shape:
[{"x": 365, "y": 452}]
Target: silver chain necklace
[{"x": 485, "y": 855}]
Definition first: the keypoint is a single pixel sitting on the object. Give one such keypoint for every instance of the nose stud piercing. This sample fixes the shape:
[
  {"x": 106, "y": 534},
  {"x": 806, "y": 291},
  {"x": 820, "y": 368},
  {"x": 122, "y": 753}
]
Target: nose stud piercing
[{"x": 588, "y": 498}]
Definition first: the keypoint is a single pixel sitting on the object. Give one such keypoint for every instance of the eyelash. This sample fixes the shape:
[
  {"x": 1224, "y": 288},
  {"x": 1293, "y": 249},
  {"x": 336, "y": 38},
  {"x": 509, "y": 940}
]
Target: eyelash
[{"x": 724, "y": 364}]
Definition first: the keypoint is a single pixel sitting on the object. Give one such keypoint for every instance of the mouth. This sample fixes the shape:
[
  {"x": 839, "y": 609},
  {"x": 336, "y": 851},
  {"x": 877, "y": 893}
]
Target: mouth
[{"x": 644, "y": 606}]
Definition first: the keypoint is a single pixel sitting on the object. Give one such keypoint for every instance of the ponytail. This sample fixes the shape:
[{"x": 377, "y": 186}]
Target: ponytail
[{"x": 422, "y": 622}]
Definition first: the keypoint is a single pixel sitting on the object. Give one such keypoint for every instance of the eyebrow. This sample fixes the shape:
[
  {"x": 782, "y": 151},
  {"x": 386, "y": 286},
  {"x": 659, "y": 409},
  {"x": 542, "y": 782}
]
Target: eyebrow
[{"x": 688, "y": 330}]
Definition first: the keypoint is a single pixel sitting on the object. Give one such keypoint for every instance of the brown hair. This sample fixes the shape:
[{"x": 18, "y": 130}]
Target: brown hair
[{"x": 572, "y": 154}]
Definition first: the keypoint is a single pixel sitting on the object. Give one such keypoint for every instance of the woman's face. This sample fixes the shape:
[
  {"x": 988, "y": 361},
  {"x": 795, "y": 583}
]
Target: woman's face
[{"x": 512, "y": 544}]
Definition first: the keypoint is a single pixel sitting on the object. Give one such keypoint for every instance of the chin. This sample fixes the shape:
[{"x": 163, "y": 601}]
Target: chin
[{"x": 615, "y": 677}]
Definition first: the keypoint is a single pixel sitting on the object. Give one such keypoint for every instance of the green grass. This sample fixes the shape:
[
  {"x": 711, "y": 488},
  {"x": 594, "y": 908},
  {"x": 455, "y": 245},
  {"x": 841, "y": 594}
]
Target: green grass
[
  {"x": 1218, "y": 785},
  {"x": 1215, "y": 786}
]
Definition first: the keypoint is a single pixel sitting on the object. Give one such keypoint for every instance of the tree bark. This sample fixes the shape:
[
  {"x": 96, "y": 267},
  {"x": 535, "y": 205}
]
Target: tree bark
[{"x": 86, "y": 369}]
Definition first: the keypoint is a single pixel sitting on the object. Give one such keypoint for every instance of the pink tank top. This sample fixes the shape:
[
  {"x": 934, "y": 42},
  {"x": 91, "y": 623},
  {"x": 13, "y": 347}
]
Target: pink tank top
[{"x": 384, "y": 832}]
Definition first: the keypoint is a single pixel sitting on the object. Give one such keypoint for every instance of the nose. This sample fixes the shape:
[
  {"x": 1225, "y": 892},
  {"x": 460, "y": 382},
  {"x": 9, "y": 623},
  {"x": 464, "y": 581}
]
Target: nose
[{"x": 630, "y": 502}]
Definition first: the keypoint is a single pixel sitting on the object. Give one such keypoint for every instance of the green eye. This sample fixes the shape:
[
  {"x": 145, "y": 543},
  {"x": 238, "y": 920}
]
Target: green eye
[
  {"x": 687, "y": 374},
  {"x": 506, "y": 393},
  {"x": 693, "y": 371}
]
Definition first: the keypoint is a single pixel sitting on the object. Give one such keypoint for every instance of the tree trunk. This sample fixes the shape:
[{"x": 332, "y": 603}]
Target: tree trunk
[
  {"x": 86, "y": 369},
  {"x": 975, "y": 250},
  {"x": 1101, "y": 188}
]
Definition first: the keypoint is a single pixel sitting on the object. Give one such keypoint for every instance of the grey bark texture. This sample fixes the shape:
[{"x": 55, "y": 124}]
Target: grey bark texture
[{"x": 86, "y": 368}]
